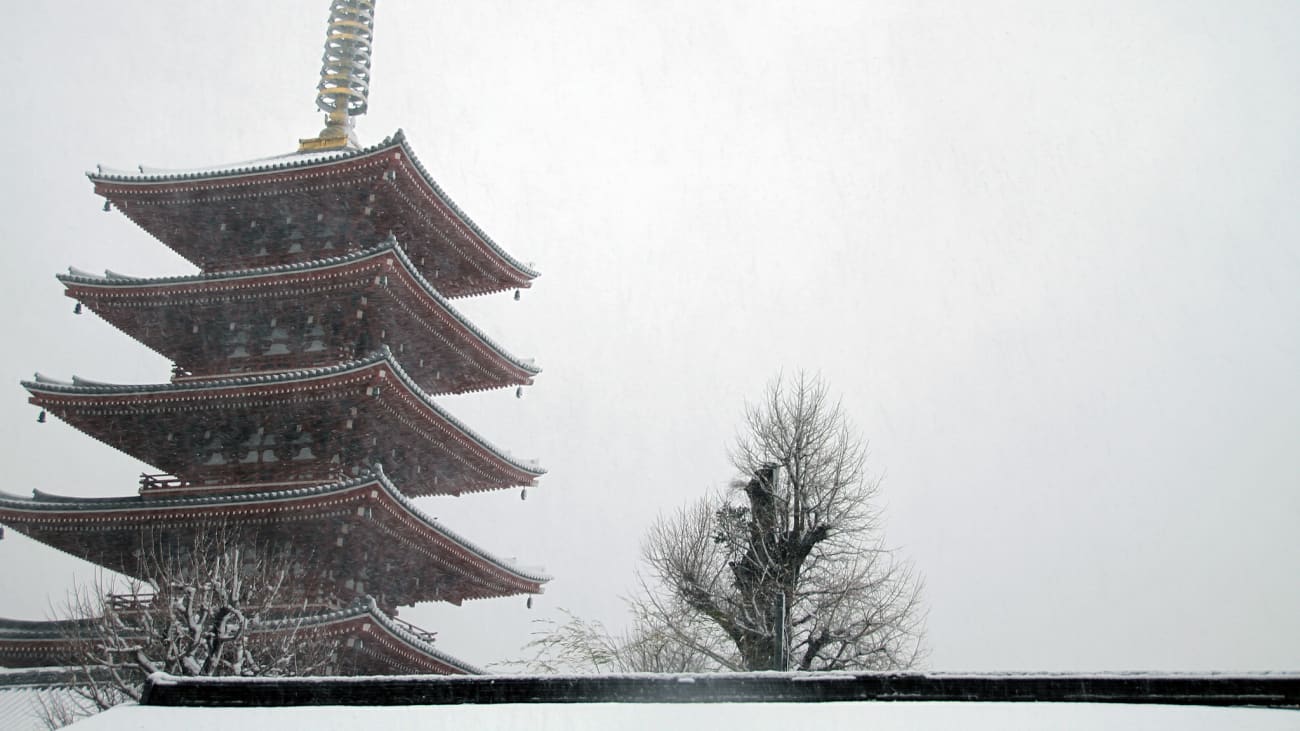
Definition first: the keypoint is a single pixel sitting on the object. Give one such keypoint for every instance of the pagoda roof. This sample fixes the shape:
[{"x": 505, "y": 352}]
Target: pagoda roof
[
  {"x": 135, "y": 417},
  {"x": 26, "y": 643},
  {"x": 396, "y": 638},
  {"x": 302, "y": 184},
  {"x": 435, "y": 562},
  {"x": 446, "y": 337}
]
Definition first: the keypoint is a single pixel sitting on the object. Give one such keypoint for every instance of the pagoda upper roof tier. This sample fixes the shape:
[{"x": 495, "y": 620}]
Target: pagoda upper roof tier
[
  {"x": 308, "y": 206},
  {"x": 304, "y": 315},
  {"x": 371, "y": 642},
  {"x": 297, "y": 427},
  {"x": 354, "y": 538}
]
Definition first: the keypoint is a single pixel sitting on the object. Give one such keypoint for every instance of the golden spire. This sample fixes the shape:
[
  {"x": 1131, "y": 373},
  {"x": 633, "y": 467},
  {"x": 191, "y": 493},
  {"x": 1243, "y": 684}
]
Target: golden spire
[{"x": 344, "y": 74}]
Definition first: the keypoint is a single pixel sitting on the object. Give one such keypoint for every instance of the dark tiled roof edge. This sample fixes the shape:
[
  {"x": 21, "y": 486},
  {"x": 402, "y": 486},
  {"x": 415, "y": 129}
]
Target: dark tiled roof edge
[
  {"x": 288, "y": 162},
  {"x": 390, "y": 245}
]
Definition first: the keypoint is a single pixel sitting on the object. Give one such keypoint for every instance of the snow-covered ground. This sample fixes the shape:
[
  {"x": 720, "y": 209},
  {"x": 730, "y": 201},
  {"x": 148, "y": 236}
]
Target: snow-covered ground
[{"x": 878, "y": 716}]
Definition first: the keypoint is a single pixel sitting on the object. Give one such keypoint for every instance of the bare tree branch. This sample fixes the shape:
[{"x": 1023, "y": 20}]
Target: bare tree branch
[
  {"x": 193, "y": 616},
  {"x": 785, "y": 570}
]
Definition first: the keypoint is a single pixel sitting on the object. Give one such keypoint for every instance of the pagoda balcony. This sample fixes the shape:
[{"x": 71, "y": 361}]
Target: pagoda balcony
[
  {"x": 312, "y": 206},
  {"x": 134, "y": 602},
  {"x": 124, "y": 603},
  {"x": 152, "y": 486},
  {"x": 162, "y": 483},
  {"x": 304, "y": 316},
  {"x": 298, "y": 428},
  {"x": 345, "y": 541},
  {"x": 424, "y": 634}
]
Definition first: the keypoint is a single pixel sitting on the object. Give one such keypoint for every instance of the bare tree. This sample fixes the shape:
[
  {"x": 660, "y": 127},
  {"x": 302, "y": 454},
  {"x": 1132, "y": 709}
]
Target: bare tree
[
  {"x": 789, "y": 564},
  {"x": 59, "y": 710},
  {"x": 673, "y": 642},
  {"x": 196, "y": 614},
  {"x": 784, "y": 570}
]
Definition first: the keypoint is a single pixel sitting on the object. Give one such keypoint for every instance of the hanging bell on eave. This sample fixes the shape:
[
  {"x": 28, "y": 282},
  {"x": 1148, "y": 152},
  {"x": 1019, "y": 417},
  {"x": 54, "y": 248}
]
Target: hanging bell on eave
[
  {"x": 76, "y": 310},
  {"x": 523, "y": 494},
  {"x": 516, "y": 295},
  {"x": 530, "y": 602},
  {"x": 519, "y": 391},
  {"x": 40, "y": 418},
  {"x": 108, "y": 205}
]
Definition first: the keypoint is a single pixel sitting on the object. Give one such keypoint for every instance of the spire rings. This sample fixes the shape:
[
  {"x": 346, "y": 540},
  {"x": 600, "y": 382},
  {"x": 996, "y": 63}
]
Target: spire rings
[{"x": 345, "y": 71}]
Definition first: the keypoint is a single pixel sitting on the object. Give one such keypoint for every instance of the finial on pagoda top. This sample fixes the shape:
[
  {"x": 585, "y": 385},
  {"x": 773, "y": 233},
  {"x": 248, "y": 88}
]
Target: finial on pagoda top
[{"x": 344, "y": 74}]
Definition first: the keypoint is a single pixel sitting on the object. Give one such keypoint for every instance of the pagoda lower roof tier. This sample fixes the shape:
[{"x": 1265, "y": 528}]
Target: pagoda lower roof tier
[
  {"x": 347, "y": 540},
  {"x": 309, "y": 206},
  {"x": 299, "y": 427},
  {"x": 370, "y": 642},
  {"x": 302, "y": 316}
]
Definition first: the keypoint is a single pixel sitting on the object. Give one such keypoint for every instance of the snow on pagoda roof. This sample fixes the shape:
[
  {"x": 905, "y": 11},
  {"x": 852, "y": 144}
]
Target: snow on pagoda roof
[
  {"x": 296, "y": 161},
  {"x": 391, "y": 245},
  {"x": 80, "y": 386},
  {"x": 25, "y": 692},
  {"x": 29, "y": 630},
  {"x": 362, "y": 608},
  {"x": 46, "y": 502},
  {"x": 257, "y": 165},
  {"x": 38, "y": 628}
]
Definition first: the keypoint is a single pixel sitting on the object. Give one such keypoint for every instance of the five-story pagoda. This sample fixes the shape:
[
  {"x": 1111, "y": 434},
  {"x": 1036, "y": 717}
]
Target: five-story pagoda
[{"x": 306, "y": 353}]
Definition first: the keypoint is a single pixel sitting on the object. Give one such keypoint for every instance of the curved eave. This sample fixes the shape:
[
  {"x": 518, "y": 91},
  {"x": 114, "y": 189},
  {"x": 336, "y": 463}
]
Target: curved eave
[
  {"x": 367, "y": 609},
  {"x": 524, "y": 270},
  {"x": 382, "y": 358},
  {"x": 41, "y": 635},
  {"x": 39, "y": 629},
  {"x": 249, "y": 277},
  {"x": 51, "y": 507},
  {"x": 528, "y": 467},
  {"x": 299, "y": 162}
]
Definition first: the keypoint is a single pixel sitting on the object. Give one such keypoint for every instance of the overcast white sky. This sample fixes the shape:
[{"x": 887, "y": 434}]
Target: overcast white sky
[{"x": 1048, "y": 252}]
